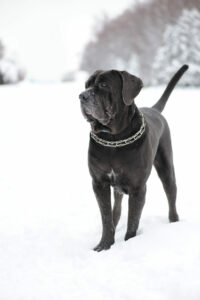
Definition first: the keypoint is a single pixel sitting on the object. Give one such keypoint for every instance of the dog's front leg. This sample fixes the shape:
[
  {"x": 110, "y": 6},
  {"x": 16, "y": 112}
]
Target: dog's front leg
[
  {"x": 135, "y": 205},
  {"x": 103, "y": 195}
]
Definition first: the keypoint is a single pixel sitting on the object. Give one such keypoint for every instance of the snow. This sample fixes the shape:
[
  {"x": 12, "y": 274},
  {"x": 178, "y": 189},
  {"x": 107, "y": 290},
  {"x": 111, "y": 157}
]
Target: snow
[{"x": 49, "y": 218}]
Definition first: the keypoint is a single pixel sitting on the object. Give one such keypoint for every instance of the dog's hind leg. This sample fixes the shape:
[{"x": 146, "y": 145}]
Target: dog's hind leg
[
  {"x": 117, "y": 207},
  {"x": 165, "y": 169}
]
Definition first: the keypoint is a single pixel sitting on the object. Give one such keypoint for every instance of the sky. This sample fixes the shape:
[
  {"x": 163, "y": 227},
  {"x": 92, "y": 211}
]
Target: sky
[{"x": 48, "y": 36}]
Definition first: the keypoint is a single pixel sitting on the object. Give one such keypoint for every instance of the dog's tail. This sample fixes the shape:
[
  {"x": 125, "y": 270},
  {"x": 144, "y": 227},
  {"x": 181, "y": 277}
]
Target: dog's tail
[{"x": 163, "y": 100}]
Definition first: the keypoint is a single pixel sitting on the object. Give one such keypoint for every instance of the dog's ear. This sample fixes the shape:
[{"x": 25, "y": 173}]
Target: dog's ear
[
  {"x": 131, "y": 86},
  {"x": 92, "y": 78}
]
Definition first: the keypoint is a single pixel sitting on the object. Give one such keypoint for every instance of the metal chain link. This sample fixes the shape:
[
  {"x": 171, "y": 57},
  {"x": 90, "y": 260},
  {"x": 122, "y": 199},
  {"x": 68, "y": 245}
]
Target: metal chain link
[{"x": 121, "y": 143}]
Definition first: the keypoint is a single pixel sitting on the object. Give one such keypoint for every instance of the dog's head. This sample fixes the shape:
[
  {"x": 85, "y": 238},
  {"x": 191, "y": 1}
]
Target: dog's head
[{"x": 108, "y": 97}]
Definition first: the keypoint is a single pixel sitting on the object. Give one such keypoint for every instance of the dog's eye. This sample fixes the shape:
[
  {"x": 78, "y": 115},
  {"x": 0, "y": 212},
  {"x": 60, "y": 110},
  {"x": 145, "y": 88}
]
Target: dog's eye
[{"x": 103, "y": 84}]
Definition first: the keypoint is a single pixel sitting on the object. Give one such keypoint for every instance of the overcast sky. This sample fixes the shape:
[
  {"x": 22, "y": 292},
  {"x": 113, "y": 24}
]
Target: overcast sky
[{"x": 48, "y": 35}]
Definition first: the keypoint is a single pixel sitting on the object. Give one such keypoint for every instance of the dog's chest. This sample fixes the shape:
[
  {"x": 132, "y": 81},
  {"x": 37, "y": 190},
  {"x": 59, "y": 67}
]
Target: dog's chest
[
  {"x": 117, "y": 180},
  {"x": 112, "y": 176}
]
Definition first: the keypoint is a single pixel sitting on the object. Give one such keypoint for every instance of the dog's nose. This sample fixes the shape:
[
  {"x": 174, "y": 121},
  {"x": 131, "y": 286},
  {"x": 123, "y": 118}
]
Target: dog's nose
[{"x": 84, "y": 96}]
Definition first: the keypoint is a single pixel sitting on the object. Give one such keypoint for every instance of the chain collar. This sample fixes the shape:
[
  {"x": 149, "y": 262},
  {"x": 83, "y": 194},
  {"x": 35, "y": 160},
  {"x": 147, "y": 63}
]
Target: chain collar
[{"x": 121, "y": 143}]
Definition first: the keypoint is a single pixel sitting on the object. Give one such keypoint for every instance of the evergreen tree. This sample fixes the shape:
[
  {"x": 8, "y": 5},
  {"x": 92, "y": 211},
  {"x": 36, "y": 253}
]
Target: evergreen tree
[
  {"x": 181, "y": 45},
  {"x": 10, "y": 72}
]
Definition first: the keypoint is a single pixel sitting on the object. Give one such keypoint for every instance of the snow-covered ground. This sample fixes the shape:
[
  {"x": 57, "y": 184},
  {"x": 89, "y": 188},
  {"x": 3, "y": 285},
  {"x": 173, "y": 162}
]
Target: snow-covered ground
[{"x": 49, "y": 218}]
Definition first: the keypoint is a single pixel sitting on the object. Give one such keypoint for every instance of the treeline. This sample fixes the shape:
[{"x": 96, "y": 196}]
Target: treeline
[{"x": 134, "y": 39}]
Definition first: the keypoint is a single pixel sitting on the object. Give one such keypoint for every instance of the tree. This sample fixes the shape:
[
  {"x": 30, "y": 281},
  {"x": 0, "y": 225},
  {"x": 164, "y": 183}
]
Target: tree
[
  {"x": 10, "y": 72},
  {"x": 180, "y": 45},
  {"x": 2, "y": 49}
]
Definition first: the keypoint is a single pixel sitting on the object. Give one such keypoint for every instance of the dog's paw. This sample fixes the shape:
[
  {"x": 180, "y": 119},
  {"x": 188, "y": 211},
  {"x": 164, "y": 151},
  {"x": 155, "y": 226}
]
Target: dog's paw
[
  {"x": 104, "y": 245},
  {"x": 173, "y": 218},
  {"x": 129, "y": 235}
]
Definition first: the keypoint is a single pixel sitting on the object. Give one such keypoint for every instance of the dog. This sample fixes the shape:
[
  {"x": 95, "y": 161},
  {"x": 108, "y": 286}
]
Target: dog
[{"x": 125, "y": 142}]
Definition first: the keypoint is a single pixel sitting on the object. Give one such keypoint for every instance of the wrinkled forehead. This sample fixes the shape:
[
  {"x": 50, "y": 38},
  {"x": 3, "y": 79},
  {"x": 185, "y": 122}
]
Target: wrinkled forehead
[{"x": 110, "y": 77}]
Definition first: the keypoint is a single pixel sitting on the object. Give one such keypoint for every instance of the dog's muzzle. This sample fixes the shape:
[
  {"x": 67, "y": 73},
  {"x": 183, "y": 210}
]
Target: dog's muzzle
[
  {"x": 91, "y": 107},
  {"x": 85, "y": 96}
]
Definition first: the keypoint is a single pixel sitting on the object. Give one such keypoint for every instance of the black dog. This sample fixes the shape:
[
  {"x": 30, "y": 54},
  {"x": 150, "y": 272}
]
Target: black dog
[{"x": 124, "y": 144}]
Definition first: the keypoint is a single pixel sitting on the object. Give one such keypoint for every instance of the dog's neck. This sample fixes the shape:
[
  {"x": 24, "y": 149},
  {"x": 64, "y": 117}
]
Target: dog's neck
[{"x": 127, "y": 126}]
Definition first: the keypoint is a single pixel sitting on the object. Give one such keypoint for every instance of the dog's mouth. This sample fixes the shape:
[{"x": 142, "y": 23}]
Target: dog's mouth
[
  {"x": 91, "y": 115},
  {"x": 98, "y": 125}
]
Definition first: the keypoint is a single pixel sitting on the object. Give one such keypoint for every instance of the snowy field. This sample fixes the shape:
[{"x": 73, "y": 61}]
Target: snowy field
[{"x": 49, "y": 218}]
